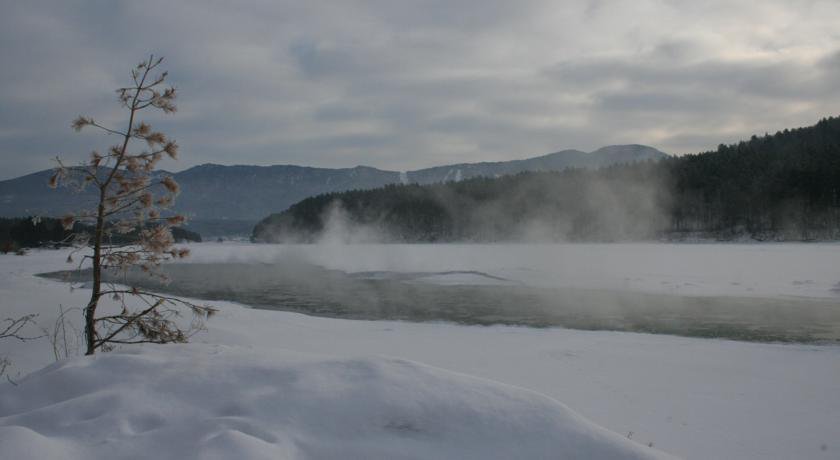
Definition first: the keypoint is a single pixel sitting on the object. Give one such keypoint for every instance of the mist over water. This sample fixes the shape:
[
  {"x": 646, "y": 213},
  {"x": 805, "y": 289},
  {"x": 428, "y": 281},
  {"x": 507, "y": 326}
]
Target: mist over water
[{"x": 743, "y": 292}]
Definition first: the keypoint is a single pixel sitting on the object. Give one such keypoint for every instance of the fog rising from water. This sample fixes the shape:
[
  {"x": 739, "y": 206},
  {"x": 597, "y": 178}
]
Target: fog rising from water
[{"x": 632, "y": 204}]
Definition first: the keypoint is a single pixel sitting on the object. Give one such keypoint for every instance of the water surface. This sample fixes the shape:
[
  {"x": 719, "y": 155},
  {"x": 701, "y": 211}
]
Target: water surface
[{"x": 479, "y": 298}]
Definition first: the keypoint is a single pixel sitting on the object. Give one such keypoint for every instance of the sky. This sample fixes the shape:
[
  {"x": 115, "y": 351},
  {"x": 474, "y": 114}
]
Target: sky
[{"x": 402, "y": 85}]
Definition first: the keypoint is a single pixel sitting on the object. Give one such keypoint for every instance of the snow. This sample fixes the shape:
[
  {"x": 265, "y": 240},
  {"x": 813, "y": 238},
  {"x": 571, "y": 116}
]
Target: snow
[
  {"x": 198, "y": 401},
  {"x": 694, "y": 398}
]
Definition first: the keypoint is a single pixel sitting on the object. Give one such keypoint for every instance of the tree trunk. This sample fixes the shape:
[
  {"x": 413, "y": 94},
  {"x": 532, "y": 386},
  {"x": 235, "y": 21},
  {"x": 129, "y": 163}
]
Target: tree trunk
[{"x": 96, "y": 289}]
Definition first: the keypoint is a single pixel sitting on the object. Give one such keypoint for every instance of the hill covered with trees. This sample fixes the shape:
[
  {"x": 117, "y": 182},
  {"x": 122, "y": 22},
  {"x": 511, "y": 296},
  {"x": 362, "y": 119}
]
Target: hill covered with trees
[{"x": 784, "y": 186}]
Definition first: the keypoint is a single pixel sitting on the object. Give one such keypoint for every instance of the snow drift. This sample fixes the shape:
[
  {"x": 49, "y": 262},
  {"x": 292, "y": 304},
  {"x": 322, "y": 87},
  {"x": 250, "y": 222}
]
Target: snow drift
[{"x": 202, "y": 401}]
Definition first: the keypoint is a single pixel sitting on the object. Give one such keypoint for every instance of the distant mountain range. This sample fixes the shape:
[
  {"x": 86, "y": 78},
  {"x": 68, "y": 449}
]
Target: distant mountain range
[
  {"x": 225, "y": 199},
  {"x": 558, "y": 161}
]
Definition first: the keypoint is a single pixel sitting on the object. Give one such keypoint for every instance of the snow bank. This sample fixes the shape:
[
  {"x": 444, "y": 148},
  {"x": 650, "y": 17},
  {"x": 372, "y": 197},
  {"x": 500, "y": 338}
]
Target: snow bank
[{"x": 204, "y": 401}]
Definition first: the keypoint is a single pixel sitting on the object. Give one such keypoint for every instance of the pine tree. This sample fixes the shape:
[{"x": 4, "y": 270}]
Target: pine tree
[{"x": 131, "y": 199}]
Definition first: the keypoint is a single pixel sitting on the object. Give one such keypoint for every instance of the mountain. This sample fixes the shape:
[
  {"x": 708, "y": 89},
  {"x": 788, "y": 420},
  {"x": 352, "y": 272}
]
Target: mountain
[
  {"x": 230, "y": 199},
  {"x": 247, "y": 192},
  {"x": 218, "y": 199},
  {"x": 784, "y": 186},
  {"x": 558, "y": 161}
]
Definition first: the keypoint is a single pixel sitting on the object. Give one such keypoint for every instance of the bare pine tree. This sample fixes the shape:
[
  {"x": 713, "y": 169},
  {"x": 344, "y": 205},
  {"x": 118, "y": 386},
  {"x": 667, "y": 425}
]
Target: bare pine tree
[{"x": 132, "y": 205}]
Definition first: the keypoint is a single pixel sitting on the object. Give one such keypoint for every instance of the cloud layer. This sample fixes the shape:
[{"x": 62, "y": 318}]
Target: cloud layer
[{"x": 402, "y": 86}]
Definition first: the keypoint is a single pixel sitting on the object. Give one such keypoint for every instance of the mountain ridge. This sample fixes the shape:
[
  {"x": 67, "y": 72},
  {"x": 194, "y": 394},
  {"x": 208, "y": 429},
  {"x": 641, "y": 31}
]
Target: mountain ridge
[{"x": 247, "y": 193}]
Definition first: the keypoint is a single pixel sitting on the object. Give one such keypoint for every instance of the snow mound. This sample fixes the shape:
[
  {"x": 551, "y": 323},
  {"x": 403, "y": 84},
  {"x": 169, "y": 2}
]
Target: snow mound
[{"x": 201, "y": 401}]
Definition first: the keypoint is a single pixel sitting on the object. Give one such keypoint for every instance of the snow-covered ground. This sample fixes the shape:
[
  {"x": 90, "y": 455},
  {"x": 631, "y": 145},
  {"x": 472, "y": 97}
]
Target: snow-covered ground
[
  {"x": 232, "y": 403},
  {"x": 694, "y": 398}
]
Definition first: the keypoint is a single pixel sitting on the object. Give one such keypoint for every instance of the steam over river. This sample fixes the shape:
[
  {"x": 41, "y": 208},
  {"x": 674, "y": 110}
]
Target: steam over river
[{"x": 775, "y": 292}]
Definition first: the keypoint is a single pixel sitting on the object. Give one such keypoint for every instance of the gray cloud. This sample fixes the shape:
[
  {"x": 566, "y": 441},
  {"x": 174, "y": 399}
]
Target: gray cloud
[{"x": 401, "y": 86}]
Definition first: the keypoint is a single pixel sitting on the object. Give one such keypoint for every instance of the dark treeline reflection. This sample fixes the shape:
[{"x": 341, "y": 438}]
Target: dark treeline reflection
[{"x": 784, "y": 186}]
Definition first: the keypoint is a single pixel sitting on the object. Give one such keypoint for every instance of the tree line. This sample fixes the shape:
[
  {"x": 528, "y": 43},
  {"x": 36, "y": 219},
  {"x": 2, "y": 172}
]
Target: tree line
[{"x": 34, "y": 232}]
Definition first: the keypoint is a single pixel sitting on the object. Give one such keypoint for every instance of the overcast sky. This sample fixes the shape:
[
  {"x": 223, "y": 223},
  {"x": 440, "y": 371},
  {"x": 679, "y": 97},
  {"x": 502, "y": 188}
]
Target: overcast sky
[{"x": 404, "y": 85}]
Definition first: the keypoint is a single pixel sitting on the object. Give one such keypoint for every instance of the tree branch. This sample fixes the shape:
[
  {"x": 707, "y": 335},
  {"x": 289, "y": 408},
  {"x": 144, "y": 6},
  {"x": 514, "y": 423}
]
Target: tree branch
[{"x": 13, "y": 327}]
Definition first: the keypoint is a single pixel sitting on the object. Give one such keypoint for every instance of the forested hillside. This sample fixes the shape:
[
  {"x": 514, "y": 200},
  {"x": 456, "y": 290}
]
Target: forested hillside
[{"x": 784, "y": 186}]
